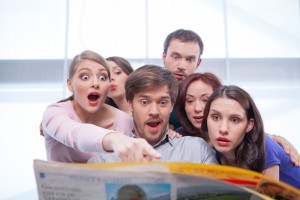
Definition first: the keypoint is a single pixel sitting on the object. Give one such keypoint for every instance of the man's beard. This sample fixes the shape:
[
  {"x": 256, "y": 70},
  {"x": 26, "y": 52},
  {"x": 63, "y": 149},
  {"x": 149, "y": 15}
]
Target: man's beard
[{"x": 140, "y": 133}]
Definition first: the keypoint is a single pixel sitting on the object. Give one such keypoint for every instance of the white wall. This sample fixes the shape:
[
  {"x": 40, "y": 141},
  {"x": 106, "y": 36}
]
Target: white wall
[{"x": 252, "y": 43}]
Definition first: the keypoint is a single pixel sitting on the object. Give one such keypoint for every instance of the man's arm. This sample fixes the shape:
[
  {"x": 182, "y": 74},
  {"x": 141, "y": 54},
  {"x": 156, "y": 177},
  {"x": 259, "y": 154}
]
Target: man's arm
[{"x": 288, "y": 148}]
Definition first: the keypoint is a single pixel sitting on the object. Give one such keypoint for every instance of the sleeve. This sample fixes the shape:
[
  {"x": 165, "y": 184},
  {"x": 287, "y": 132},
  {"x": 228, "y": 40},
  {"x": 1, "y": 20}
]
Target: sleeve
[
  {"x": 58, "y": 124},
  {"x": 207, "y": 153},
  {"x": 272, "y": 153}
]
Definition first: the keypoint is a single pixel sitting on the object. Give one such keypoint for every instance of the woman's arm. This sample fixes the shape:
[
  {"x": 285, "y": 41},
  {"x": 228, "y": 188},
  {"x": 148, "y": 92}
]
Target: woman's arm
[
  {"x": 62, "y": 124},
  {"x": 59, "y": 123},
  {"x": 272, "y": 172}
]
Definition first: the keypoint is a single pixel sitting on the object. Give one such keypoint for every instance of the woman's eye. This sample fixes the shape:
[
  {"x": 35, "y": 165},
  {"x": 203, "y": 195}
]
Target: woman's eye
[
  {"x": 235, "y": 120},
  {"x": 102, "y": 78},
  {"x": 215, "y": 117},
  {"x": 189, "y": 101},
  {"x": 84, "y": 77},
  {"x": 117, "y": 73}
]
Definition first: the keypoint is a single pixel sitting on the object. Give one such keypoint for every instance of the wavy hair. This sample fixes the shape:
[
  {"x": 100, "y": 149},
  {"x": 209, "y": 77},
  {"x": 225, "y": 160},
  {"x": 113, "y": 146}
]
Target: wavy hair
[{"x": 250, "y": 153}]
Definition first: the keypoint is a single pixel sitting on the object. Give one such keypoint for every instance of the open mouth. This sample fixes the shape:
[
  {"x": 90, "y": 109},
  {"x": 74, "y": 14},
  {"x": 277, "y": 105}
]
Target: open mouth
[
  {"x": 198, "y": 117},
  {"x": 153, "y": 124},
  {"x": 93, "y": 97}
]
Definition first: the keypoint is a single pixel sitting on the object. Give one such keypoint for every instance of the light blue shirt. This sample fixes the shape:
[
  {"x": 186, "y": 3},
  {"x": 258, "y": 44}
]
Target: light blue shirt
[{"x": 184, "y": 149}]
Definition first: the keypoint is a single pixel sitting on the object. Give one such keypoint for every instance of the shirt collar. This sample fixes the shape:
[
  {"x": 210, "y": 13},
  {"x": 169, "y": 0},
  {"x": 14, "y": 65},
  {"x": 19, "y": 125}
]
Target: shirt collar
[{"x": 166, "y": 139}]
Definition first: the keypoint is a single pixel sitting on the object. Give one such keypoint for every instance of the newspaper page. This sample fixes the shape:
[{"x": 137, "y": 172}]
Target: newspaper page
[
  {"x": 62, "y": 181},
  {"x": 241, "y": 177}
]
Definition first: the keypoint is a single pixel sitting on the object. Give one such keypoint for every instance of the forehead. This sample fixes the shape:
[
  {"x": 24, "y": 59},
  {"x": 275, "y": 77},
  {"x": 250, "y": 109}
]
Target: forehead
[
  {"x": 111, "y": 63},
  {"x": 89, "y": 64},
  {"x": 227, "y": 105},
  {"x": 188, "y": 48},
  {"x": 199, "y": 86},
  {"x": 154, "y": 92}
]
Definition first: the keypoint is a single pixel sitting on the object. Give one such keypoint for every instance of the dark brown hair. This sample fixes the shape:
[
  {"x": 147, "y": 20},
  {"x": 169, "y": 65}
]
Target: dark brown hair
[
  {"x": 122, "y": 63},
  {"x": 250, "y": 154},
  {"x": 149, "y": 76},
  {"x": 184, "y": 36},
  {"x": 187, "y": 128}
]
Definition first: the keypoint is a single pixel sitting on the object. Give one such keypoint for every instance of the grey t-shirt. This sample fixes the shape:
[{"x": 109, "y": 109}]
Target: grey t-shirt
[{"x": 184, "y": 149}]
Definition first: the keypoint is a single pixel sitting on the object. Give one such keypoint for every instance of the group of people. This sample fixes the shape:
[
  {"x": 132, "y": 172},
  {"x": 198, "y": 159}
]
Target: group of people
[{"x": 116, "y": 113}]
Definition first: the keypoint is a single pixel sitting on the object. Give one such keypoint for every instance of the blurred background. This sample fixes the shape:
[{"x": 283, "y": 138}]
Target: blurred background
[{"x": 251, "y": 43}]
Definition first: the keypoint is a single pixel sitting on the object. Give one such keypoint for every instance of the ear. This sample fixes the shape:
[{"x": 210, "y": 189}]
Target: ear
[
  {"x": 69, "y": 84},
  {"x": 250, "y": 125},
  {"x": 130, "y": 106},
  {"x": 164, "y": 57},
  {"x": 199, "y": 62}
]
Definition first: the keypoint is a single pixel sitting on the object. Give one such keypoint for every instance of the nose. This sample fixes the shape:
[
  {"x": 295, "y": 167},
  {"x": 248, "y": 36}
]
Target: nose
[
  {"x": 112, "y": 76},
  {"x": 153, "y": 110},
  {"x": 224, "y": 128},
  {"x": 95, "y": 82},
  {"x": 182, "y": 65},
  {"x": 198, "y": 106}
]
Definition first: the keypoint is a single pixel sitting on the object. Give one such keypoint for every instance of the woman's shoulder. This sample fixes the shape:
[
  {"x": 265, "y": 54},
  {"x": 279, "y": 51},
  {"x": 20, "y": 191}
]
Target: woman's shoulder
[
  {"x": 122, "y": 114},
  {"x": 61, "y": 108},
  {"x": 65, "y": 104},
  {"x": 123, "y": 122}
]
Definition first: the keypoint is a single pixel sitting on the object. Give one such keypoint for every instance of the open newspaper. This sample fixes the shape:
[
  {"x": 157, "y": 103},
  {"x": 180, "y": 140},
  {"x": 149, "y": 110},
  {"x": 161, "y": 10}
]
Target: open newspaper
[{"x": 154, "y": 181}]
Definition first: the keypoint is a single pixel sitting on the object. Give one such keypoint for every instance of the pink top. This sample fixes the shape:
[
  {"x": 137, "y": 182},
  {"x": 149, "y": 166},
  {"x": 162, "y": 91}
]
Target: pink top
[{"x": 68, "y": 139}]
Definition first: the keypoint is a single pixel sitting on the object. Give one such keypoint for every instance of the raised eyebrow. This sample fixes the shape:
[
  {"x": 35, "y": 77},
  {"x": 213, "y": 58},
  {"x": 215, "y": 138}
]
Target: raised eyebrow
[
  {"x": 237, "y": 115},
  {"x": 100, "y": 70},
  {"x": 175, "y": 53},
  {"x": 165, "y": 97},
  {"x": 82, "y": 69},
  {"x": 215, "y": 111},
  {"x": 144, "y": 96},
  {"x": 191, "y": 57},
  {"x": 189, "y": 95}
]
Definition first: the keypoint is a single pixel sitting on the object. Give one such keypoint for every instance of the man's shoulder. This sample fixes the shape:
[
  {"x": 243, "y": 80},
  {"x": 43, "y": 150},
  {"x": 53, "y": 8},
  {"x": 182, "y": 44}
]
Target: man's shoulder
[
  {"x": 190, "y": 142},
  {"x": 189, "y": 139}
]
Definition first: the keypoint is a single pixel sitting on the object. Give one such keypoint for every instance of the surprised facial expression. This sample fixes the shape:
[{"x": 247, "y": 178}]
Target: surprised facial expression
[
  {"x": 151, "y": 110},
  {"x": 89, "y": 85},
  {"x": 227, "y": 125}
]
